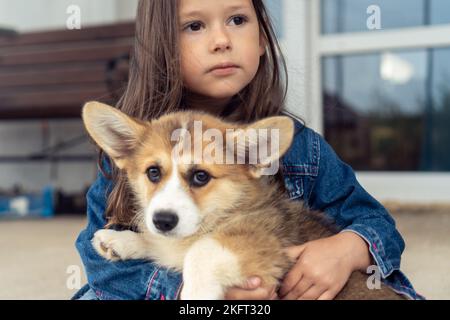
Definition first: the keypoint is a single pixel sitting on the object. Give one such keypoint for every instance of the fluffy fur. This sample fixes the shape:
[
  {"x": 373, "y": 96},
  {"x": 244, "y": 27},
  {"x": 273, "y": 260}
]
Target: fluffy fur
[{"x": 233, "y": 227}]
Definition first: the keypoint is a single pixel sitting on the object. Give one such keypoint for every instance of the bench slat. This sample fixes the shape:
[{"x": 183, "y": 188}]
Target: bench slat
[
  {"x": 123, "y": 29},
  {"x": 55, "y": 95},
  {"x": 56, "y": 104},
  {"x": 49, "y": 77},
  {"x": 99, "y": 52}
]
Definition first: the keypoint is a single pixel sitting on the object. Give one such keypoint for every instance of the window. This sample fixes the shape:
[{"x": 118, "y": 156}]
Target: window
[
  {"x": 389, "y": 111},
  {"x": 339, "y": 16}
]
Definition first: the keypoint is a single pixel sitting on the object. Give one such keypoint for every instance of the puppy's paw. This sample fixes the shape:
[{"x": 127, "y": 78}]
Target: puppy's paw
[{"x": 110, "y": 245}]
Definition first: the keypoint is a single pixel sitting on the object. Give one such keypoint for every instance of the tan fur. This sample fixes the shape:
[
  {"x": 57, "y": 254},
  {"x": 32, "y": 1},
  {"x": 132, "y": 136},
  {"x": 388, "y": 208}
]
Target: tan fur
[{"x": 246, "y": 218}]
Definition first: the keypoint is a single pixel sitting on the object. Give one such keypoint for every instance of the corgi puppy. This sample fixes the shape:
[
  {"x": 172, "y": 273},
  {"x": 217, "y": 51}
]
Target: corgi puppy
[{"x": 202, "y": 209}]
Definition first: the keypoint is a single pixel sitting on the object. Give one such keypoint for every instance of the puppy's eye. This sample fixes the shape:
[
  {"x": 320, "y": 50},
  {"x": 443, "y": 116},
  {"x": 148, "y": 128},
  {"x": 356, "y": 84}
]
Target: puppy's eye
[
  {"x": 154, "y": 174},
  {"x": 200, "y": 178}
]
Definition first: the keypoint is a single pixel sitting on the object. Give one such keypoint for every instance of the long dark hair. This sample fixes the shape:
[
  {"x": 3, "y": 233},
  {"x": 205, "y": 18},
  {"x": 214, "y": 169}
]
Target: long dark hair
[{"x": 155, "y": 85}]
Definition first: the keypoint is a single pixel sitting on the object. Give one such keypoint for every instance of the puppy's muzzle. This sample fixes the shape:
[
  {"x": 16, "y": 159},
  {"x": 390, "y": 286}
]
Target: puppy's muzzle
[{"x": 165, "y": 220}]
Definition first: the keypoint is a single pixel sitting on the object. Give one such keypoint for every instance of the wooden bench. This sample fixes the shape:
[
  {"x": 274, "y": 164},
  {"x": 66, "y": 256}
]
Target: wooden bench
[{"x": 52, "y": 74}]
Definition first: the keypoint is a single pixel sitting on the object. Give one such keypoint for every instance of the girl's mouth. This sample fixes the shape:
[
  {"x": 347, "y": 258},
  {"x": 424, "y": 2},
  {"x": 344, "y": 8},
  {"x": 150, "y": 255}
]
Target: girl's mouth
[
  {"x": 224, "y": 71},
  {"x": 225, "y": 68}
]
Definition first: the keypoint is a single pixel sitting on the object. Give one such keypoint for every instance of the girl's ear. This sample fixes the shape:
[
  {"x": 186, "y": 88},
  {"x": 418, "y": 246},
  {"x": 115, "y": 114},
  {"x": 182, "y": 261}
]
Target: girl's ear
[
  {"x": 115, "y": 132},
  {"x": 262, "y": 44}
]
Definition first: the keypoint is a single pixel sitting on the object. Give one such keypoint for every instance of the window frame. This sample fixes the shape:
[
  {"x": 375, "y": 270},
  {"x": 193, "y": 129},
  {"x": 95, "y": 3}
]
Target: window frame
[{"x": 422, "y": 187}]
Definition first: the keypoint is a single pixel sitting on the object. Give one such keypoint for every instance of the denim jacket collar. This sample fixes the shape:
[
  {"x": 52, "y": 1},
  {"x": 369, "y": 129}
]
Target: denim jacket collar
[{"x": 303, "y": 156}]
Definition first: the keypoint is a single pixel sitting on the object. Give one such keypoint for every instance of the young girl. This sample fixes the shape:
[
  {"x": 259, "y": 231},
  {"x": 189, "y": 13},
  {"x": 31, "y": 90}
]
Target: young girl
[{"x": 222, "y": 57}]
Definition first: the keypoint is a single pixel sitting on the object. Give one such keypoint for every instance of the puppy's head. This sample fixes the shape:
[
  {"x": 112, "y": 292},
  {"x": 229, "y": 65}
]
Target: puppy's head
[{"x": 188, "y": 170}]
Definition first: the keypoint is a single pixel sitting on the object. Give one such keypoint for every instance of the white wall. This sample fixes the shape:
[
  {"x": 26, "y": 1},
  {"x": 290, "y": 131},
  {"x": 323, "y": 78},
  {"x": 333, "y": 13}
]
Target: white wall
[
  {"x": 296, "y": 49},
  {"x": 407, "y": 187},
  {"x": 26, "y": 15},
  {"x": 25, "y": 137}
]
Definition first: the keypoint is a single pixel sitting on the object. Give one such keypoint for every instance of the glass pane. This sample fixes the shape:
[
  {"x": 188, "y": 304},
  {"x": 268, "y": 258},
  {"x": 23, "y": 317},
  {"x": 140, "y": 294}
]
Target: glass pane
[
  {"x": 440, "y": 11},
  {"x": 275, "y": 11},
  {"x": 389, "y": 111},
  {"x": 351, "y": 15},
  {"x": 439, "y": 121}
]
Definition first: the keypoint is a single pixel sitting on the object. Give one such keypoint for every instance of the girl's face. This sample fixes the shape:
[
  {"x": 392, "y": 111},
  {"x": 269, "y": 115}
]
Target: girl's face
[{"x": 215, "y": 32}]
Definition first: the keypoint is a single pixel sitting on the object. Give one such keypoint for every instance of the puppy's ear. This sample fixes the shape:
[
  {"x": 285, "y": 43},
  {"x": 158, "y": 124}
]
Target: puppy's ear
[
  {"x": 263, "y": 143},
  {"x": 115, "y": 132}
]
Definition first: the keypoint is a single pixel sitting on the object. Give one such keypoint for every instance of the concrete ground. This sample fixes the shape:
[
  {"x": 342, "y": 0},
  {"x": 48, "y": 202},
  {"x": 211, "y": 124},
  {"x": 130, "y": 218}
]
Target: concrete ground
[
  {"x": 426, "y": 259},
  {"x": 39, "y": 260},
  {"x": 36, "y": 256}
]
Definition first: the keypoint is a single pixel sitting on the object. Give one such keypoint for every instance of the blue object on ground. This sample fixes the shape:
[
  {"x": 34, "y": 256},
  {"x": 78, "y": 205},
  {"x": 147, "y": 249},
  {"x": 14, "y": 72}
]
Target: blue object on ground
[{"x": 28, "y": 205}]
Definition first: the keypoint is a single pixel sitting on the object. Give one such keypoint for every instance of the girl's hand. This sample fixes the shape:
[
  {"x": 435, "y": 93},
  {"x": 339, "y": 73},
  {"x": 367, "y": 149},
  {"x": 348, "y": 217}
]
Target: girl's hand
[
  {"x": 323, "y": 267},
  {"x": 251, "y": 290}
]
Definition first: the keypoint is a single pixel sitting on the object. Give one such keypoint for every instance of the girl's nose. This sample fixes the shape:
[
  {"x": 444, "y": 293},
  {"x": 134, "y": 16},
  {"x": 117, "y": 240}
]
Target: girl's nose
[
  {"x": 222, "y": 46},
  {"x": 220, "y": 40}
]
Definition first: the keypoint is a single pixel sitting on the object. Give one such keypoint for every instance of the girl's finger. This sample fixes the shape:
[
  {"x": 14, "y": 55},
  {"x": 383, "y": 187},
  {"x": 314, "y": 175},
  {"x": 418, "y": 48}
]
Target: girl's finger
[
  {"x": 327, "y": 295},
  {"x": 242, "y": 294},
  {"x": 293, "y": 277},
  {"x": 302, "y": 286},
  {"x": 295, "y": 252},
  {"x": 313, "y": 293},
  {"x": 251, "y": 283}
]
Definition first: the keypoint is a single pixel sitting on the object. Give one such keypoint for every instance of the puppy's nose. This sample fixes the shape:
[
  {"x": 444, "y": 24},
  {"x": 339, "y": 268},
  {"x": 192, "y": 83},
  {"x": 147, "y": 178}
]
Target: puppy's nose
[{"x": 165, "y": 220}]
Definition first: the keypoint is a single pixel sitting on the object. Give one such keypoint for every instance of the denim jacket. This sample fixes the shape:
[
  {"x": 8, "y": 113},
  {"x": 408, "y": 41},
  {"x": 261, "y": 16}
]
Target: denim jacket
[{"x": 312, "y": 173}]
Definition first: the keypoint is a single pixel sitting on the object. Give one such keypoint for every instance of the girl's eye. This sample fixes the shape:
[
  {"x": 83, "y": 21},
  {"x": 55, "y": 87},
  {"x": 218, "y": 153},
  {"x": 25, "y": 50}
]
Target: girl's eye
[
  {"x": 200, "y": 178},
  {"x": 195, "y": 26},
  {"x": 238, "y": 20},
  {"x": 154, "y": 174}
]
